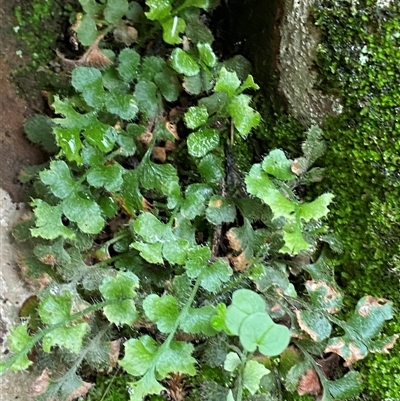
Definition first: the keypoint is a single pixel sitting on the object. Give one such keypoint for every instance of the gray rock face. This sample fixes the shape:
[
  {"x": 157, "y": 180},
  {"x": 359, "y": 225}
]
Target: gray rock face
[
  {"x": 13, "y": 292},
  {"x": 299, "y": 40}
]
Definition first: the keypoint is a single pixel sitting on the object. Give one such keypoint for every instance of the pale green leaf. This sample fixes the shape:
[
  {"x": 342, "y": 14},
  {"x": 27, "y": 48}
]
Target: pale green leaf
[
  {"x": 48, "y": 221},
  {"x": 244, "y": 303},
  {"x": 176, "y": 251},
  {"x": 230, "y": 396},
  {"x": 176, "y": 358},
  {"x": 195, "y": 116},
  {"x": 150, "y": 252},
  {"x": 117, "y": 288},
  {"x": 258, "y": 183},
  {"x": 220, "y": 210},
  {"x": 164, "y": 311},
  {"x": 86, "y": 30},
  {"x": 317, "y": 208},
  {"x": 202, "y": 141},
  {"x": 213, "y": 276},
  {"x": 227, "y": 82},
  {"x": 159, "y": 9},
  {"x": 249, "y": 84},
  {"x": 193, "y": 205},
  {"x": 145, "y": 386},
  {"x": 115, "y": 10},
  {"x": 204, "y": 4},
  {"x": 69, "y": 337},
  {"x": 55, "y": 309},
  {"x": 150, "y": 67},
  {"x": 253, "y": 373},
  {"x": 72, "y": 119},
  {"x": 17, "y": 340},
  {"x": 207, "y": 56},
  {"x": 294, "y": 240},
  {"x": 150, "y": 228},
  {"x": 198, "y": 320},
  {"x": 280, "y": 206},
  {"x": 258, "y": 330},
  {"x": 198, "y": 258},
  {"x": 58, "y": 178},
  {"x": 278, "y": 165},
  {"x": 232, "y": 361},
  {"x": 183, "y": 63},
  {"x": 129, "y": 61},
  {"x": 244, "y": 117},
  {"x": 172, "y": 28},
  {"x": 85, "y": 212},
  {"x": 139, "y": 355}
]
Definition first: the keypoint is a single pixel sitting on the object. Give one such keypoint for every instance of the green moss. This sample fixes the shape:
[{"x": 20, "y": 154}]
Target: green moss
[
  {"x": 359, "y": 62},
  {"x": 110, "y": 388}
]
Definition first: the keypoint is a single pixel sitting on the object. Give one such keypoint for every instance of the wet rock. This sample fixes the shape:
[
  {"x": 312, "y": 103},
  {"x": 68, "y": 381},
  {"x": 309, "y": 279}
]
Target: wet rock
[{"x": 297, "y": 54}]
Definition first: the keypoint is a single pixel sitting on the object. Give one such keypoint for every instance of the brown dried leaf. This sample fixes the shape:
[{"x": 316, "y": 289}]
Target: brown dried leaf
[
  {"x": 350, "y": 353},
  {"x": 371, "y": 302},
  {"x": 41, "y": 383},
  {"x": 171, "y": 127},
  {"x": 80, "y": 391},
  {"x": 146, "y": 137},
  {"x": 115, "y": 347},
  {"x": 239, "y": 263},
  {"x": 176, "y": 386},
  {"x": 125, "y": 34},
  {"x": 159, "y": 153},
  {"x": 233, "y": 240},
  {"x": 93, "y": 57},
  {"x": 309, "y": 383}
]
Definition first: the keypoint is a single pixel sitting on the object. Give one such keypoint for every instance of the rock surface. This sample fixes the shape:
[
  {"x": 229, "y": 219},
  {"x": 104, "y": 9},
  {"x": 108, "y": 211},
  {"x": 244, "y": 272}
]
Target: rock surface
[
  {"x": 13, "y": 292},
  {"x": 299, "y": 40}
]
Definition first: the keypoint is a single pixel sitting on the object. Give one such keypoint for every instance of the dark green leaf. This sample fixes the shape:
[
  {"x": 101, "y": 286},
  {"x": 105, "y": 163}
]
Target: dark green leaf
[
  {"x": 39, "y": 129},
  {"x": 220, "y": 210},
  {"x": 211, "y": 168},
  {"x": 146, "y": 97},
  {"x": 128, "y": 64},
  {"x": 87, "y": 30},
  {"x": 115, "y": 10},
  {"x": 168, "y": 84},
  {"x": 122, "y": 105}
]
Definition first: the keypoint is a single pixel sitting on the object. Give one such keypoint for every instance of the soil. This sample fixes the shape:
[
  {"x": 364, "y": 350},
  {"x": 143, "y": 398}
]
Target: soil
[{"x": 15, "y": 150}]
